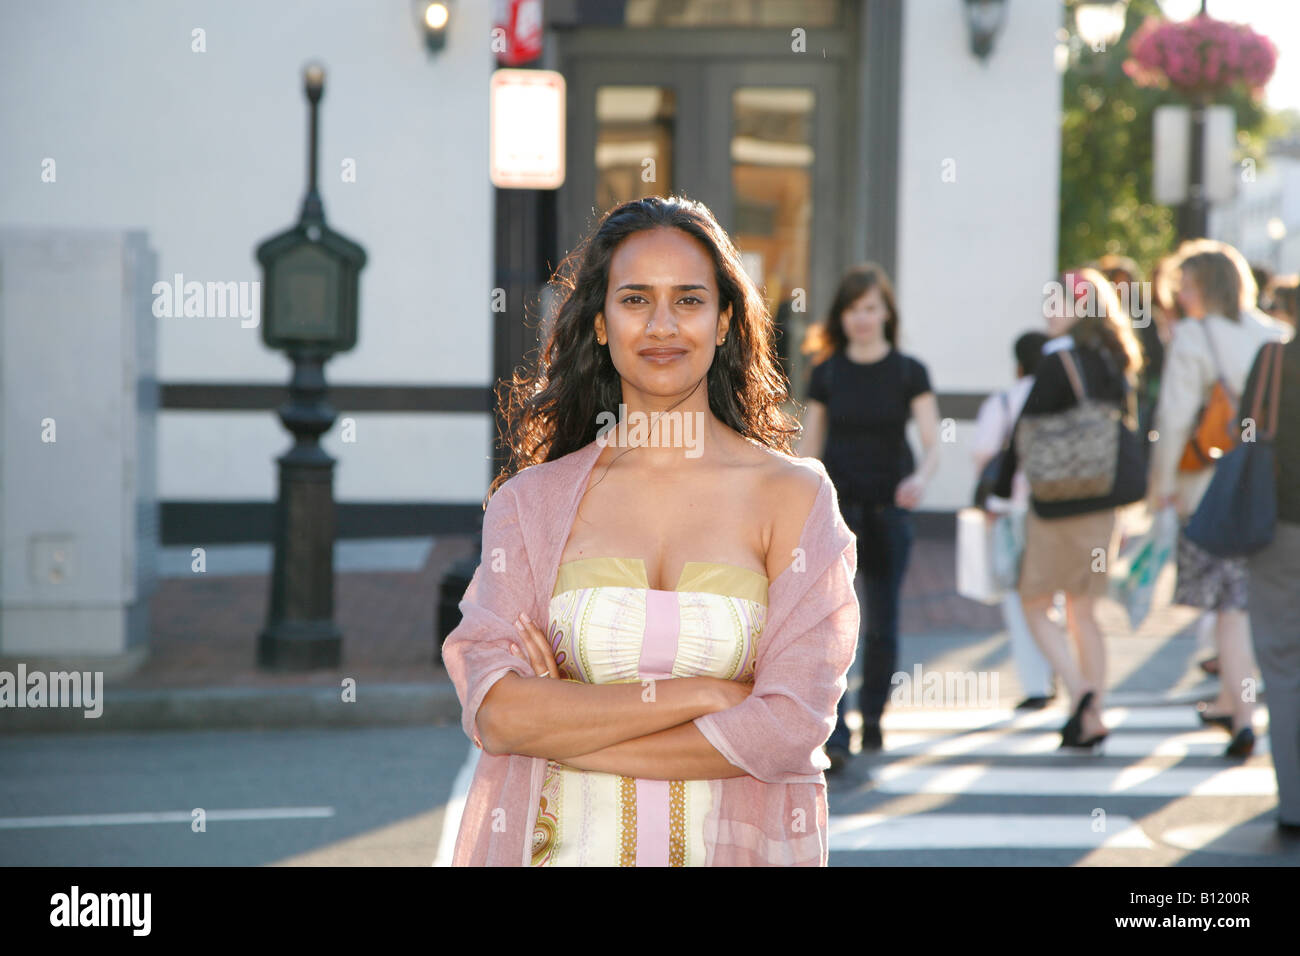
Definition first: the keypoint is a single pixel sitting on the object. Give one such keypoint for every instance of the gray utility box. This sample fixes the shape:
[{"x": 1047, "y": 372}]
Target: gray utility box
[{"x": 78, "y": 413}]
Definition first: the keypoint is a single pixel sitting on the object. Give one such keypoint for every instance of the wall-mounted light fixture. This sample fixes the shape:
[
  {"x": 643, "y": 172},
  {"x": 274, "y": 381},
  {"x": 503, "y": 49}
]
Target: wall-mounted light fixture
[
  {"x": 984, "y": 19},
  {"x": 434, "y": 17}
]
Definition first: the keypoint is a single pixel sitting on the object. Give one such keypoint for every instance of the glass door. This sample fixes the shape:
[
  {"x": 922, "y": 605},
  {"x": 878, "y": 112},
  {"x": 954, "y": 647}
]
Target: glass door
[
  {"x": 775, "y": 153},
  {"x": 634, "y": 131}
]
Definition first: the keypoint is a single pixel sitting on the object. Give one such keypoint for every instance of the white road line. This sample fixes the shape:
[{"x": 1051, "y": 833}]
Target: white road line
[
  {"x": 164, "y": 816},
  {"x": 996, "y": 743},
  {"x": 960, "y": 831},
  {"x": 455, "y": 807},
  {"x": 1138, "y": 781}
]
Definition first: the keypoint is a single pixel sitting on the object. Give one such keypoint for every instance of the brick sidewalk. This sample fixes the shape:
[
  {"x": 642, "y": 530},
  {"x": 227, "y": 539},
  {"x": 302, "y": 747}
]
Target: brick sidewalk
[{"x": 205, "y": 629}]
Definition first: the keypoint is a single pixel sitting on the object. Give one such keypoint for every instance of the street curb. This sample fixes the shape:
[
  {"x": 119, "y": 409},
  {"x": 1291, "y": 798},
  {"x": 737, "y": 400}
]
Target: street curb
[{"x": 246, "y": 708}]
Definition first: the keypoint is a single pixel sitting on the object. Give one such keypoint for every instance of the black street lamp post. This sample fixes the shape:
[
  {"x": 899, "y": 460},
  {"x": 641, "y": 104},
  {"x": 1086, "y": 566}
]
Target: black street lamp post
[
  {"x": 1194, "y": 215},
  {"x": 309, "y": 309}
]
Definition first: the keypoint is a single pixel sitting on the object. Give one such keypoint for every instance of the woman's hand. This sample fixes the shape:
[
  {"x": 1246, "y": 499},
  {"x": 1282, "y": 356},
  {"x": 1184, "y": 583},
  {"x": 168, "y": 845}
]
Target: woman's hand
[
  {"x": 536, "y": 648},
  {"x": 910, "y": 491}
]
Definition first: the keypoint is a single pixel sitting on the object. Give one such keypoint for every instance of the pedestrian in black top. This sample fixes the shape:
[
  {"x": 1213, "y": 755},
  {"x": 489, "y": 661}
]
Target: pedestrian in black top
[
  {"x": 860, "y": 396},
  {"x": 1069, "y": 543}
]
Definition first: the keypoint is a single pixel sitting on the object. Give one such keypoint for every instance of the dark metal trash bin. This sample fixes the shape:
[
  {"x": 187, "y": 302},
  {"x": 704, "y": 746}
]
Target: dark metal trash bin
[{"x": 450, "y": 592}]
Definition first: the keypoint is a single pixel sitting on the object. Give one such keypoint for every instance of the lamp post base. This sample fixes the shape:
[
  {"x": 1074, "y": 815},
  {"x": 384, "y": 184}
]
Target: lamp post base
[
  {"x": 300, "y": 646},
  {"x": 300, "y": 633}
]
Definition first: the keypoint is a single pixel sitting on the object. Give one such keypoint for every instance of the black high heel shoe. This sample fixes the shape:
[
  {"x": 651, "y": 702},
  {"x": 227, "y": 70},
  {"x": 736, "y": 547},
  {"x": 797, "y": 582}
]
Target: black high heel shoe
[
  {"x": 1243, "y": 743},
  {"x": 1072, "y": 733},
  {"x": 1213, "y": 720}
]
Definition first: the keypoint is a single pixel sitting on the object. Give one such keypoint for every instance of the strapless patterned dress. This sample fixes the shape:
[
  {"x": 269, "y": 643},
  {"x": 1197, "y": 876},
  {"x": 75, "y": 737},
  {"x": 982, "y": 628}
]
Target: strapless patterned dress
[{"x": 606, "y": 626}]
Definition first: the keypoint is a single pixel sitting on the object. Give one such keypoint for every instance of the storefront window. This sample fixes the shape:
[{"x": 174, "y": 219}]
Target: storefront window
[{"x": 634, "y": 143}]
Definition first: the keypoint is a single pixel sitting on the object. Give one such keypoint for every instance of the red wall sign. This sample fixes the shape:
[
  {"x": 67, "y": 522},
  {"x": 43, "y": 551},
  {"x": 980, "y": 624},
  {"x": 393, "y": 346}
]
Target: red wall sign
[{"x": 522, "y": 22}]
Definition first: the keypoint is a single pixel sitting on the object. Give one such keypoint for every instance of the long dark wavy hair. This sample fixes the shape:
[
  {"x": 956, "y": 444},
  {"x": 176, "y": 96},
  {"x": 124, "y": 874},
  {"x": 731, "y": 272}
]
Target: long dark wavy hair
[
  {"x": 826, "y": 338},
  {"x": 550, "y": 409}
]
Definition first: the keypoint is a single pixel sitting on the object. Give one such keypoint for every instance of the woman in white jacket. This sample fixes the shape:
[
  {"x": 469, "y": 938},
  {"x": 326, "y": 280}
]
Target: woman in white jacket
[{"x": 1216, "y": 339}]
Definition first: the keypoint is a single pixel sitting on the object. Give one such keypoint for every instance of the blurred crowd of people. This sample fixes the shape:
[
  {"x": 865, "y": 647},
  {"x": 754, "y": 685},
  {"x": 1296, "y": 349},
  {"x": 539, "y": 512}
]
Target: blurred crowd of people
[{"x": 1171, "y": 356}]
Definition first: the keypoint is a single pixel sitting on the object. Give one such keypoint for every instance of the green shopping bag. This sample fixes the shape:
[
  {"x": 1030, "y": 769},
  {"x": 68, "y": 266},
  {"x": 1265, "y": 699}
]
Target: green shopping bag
[{"x": 1141, "y": 561}]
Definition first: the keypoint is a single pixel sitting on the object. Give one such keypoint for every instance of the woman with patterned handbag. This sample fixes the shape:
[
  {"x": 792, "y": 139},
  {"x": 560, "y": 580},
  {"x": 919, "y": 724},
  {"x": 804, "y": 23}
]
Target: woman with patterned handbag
[
  {"x": 1084, "y": 380},
  {"x": 1209, "y": 355}
]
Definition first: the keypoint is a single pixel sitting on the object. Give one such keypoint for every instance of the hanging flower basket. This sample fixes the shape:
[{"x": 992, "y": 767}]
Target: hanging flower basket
[{"x": 1200, "y": 57}]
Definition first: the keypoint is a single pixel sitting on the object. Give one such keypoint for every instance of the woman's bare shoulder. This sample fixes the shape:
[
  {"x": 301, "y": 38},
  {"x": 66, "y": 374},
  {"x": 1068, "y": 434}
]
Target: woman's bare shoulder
[
  {"x": 789, "y": 491},
  {"x": 793, "y": 480}
]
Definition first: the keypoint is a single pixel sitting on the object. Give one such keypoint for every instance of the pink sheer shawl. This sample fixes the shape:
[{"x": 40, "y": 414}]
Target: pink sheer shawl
[{"x": 774, "y": 816}]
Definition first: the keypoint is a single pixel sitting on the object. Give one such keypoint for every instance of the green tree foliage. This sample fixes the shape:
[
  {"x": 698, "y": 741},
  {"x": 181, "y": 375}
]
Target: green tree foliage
[{"x": 1106, "y": 152}]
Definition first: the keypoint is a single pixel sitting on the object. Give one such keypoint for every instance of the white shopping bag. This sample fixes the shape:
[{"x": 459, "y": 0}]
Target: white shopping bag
[{"x": 976, "y": 563}]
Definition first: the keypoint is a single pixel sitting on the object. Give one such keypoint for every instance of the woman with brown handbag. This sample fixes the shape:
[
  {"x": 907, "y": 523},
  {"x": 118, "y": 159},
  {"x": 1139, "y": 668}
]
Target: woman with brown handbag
[
  {"x": 1205, "y": 369},
  {"x": 1091, "y": 361}
]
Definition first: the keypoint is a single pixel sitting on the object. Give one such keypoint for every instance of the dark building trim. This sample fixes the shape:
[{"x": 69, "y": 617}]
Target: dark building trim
[
  {"x": 201, "y": 523},
  {"x": 512, "y": 341},
  {"x": 935, "y": 524},
  {"x": 963, "y": 406},
  {"x": 218, "y": 396},
  {"x": 242, "y": 522},
  {"x": 880, "y": 91}
]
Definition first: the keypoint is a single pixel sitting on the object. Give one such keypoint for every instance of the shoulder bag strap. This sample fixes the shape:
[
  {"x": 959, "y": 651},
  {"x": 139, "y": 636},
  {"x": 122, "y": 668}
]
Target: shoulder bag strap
[
  {"x": 1214, "y": 357},
  {"x": 1067, "y": 359},
  {"x": 1275, "y": 390},
  {"x": 1008, "y": 423}
]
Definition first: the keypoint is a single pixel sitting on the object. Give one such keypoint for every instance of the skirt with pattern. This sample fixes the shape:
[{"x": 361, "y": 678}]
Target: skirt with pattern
[{"x": 1207, "y": 581}]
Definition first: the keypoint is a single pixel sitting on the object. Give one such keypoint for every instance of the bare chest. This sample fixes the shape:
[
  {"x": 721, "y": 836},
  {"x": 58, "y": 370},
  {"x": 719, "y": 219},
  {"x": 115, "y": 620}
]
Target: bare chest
[{"x": 668, "y": 525}]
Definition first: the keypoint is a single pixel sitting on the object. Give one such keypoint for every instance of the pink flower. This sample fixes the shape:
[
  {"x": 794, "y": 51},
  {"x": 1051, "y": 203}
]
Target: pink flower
[{"x": 1201, "y": 54}]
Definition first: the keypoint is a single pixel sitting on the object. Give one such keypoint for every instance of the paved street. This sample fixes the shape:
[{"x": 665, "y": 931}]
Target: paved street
[
  {"x": 371, "y": 797},
  {"x": 971, "y": 785},
  {"x": 954, "y": 787}
]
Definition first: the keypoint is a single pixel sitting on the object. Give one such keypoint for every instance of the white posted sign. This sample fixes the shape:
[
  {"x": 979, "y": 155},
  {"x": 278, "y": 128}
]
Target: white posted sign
[
  {"x": 1172, "y": 150},
  {"x": 527, "y": 123}
]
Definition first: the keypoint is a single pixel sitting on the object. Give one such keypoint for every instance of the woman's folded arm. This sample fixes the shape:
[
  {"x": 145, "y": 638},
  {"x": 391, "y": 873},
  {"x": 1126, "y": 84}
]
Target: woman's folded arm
[
  {"x": 678, "y": 753},
  {"x": 543, "y": 717}
]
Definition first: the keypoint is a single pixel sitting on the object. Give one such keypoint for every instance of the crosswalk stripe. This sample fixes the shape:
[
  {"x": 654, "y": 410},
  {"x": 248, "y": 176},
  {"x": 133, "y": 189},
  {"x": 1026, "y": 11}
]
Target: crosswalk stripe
[
  {"x": 987, "y": 743},
  {"x": 986, "y": 751},
  {"x": 974, "y": 718},
  {"x": 1132, "y": 781},
  {"x": 959, "y": 831}
]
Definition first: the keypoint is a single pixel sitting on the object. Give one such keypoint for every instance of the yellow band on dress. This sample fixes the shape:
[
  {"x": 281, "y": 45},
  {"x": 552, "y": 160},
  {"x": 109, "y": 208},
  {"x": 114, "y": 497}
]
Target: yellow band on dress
[
  {"x": 712, "y": 577},
  {"x": 600, "y": 572},
  {"x": 725, "y": 579}
]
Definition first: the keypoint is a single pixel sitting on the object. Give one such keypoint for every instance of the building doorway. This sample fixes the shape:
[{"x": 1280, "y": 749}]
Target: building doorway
[{"x": 754, "y": 138}]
